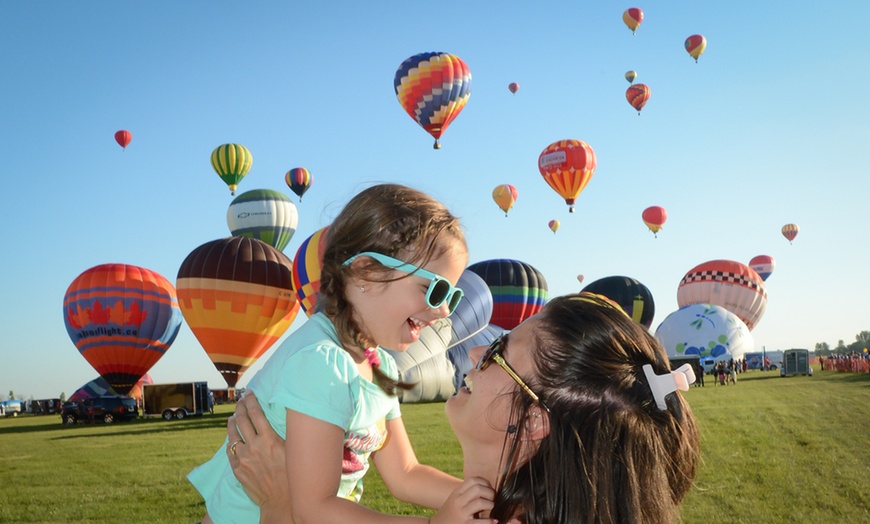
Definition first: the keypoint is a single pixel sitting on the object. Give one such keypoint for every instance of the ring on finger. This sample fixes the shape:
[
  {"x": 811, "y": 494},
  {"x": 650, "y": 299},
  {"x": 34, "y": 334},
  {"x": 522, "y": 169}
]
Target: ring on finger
[{"x": 233, "y": 446}]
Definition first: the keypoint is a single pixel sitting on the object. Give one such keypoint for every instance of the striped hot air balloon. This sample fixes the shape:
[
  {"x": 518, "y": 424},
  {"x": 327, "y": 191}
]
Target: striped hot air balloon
[
  {"x": 122, "y": 319},
  {"x": 567, "y": 166},
  {"x": 306, "y": 270},
  {"x": 637, "y": 96},
  {"x": 263, "y": 214},
  {"x": 236, "y": 295},
  {"x": 632, "y": 296},
  {"x": 790, "y": 231},
  {"x": 298, "y": 180},
  {"x": 433, "y": 88},
  {"x": 231, "y": 162},
  {"x": 518, "y": 290}
]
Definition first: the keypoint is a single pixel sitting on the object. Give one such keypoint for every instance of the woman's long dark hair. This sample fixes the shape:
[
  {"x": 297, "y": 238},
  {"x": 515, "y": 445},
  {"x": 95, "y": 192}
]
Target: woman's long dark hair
[
  {"x": 390, "y": 219},
  {"x": 611, "y": 456}
]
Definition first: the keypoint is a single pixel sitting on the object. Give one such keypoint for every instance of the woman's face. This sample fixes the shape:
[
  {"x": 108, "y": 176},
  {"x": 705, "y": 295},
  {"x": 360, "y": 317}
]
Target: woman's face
[
  {"x": 479, "y": 413},
  {"x": 394, "y": 313}
]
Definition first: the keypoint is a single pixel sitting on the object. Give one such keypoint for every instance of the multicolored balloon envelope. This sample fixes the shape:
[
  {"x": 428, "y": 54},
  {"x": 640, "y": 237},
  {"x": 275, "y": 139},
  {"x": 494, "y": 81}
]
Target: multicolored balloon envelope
[
  {"x": 236, "y": 295},
  {"x": 763, "y": 265},
  {"x": 637, "y": 96},
  {"x": 518, "y": 290},
  {"x": 725, "y": 283},
  {"x": 306, "y": 270},
  {"x": 263, "y": 214},
  {"x": 790, "y": 231},
  {"x": 298, "y": 180},
  {"x": 633, "y": 297},
  {"x": 695, "y": 45},
  {"x": 633, "y": 16},
  {"x": 654, "y": 217},
  {"x": 567, "y": 166},
  {"x": 122, "y": 319},
  {"x": 705, "y": 330},
  {"x": 505, "y": 195},
  {"x": 231, "y": 162},
  {"x": 433, "y": 88}
]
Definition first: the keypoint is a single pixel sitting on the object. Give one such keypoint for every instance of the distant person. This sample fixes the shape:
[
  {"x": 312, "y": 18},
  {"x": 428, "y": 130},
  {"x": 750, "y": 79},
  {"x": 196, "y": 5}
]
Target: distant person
[
  {"x": 573, "y": 417},
  {"x": 390, "y": 266}
]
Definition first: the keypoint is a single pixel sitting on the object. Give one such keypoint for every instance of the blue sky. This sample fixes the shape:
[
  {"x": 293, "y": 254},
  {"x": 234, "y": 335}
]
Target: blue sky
[{"x": 770, "y": 127}]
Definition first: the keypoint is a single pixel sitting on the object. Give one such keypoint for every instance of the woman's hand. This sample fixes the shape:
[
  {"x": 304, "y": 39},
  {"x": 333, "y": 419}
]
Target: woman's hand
[
  {"x": 465, "y": 504},
  {"x": 256, "y": 454}
]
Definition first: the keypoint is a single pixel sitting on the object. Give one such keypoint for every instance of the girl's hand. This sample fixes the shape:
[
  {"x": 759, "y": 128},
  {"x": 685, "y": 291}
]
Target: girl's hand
[
  {"x": 465, "y": 504},
  {"x": 256, "y": 454}
]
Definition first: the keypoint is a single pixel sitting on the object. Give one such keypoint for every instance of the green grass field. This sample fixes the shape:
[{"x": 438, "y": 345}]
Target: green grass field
[{"x": 774, "y": 450}]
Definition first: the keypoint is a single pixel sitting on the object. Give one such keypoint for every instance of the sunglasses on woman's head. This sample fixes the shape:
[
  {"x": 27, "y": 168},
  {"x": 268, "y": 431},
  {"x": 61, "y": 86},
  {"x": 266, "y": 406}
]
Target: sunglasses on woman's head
[
  {"x": 493, "y": 354},
  {"x": 440, "y": 289}
]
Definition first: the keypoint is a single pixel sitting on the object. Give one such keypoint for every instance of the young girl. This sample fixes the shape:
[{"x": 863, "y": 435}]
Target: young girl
[{"x": 389, "y": 269}]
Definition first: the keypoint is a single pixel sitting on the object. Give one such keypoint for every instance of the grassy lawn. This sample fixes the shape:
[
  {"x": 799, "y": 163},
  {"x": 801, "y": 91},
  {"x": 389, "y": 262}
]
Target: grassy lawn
[{"x": 774, "y": 450}]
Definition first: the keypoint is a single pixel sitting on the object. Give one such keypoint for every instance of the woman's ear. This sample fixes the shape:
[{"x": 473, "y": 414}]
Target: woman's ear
[{"x": 537, "y": 424}]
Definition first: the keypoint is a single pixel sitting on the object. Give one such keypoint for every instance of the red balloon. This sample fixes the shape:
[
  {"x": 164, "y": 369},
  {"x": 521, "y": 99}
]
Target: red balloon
[
  {"x": 123, "y": 138},
  {"x": 654, "y": 217},
  {"x": 514, "y": 87},
  {"x": 637, "y": 95}
]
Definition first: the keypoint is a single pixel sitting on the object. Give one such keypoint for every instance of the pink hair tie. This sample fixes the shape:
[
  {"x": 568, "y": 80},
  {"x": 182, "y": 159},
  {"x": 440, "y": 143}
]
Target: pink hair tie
[
  {"x": 663, "y": 385},
  {"x": 372, "y": 357}
]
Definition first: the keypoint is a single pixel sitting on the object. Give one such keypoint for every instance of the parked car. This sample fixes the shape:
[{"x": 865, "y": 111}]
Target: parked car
[{"x": 106, "y": 408}]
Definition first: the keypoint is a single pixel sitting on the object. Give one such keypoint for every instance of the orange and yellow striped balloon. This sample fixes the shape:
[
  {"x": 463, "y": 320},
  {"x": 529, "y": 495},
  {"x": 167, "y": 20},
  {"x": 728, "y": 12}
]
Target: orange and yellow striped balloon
[
  {"x": 236, "y": 295},
  {"x": 567, "y": 166}
]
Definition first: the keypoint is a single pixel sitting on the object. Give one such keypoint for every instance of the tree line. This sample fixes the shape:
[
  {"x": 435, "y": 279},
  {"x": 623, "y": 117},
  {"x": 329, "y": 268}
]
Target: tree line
[{"x": 862, "y": 342}]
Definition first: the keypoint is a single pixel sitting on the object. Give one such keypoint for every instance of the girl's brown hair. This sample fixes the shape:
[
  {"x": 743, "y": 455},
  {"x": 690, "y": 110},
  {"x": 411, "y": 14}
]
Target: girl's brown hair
[
  {"x": 611, "y": 456},
  {"x": 390, "y": 219}
]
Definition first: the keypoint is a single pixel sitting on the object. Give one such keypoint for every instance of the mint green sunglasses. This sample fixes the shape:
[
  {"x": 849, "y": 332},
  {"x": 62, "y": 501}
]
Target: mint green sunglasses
[{"x": 440, "y": 289}]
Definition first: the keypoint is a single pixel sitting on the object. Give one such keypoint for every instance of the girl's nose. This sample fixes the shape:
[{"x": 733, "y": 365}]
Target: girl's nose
[{"x": 475, "y": 353}]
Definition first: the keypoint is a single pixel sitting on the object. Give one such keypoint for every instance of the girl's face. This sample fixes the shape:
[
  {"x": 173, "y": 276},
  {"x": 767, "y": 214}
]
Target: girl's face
[
  {"x": 479, "y": 413},
  {"x": 394, "y": 313}
]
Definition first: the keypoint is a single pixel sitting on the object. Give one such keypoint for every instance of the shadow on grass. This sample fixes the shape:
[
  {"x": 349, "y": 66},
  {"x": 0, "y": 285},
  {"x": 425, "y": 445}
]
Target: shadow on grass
[{"x": 136, "y": 427}]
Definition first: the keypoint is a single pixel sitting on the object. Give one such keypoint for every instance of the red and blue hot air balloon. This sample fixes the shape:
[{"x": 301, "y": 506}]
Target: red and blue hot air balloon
[
  {"x": 433, "y": 88},
  {"x": 122, "y": 319},
  {"x": 298, "y": 180},
  {"x": 518, "y": 290}
]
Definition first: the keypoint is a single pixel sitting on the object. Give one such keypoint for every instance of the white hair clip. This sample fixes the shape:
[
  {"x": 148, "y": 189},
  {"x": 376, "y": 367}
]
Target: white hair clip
[{"x": 663, "y": 385}]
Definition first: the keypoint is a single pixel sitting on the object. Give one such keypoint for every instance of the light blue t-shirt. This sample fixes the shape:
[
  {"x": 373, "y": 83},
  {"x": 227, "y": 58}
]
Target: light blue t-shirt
[{"x": 313, "y": 374}]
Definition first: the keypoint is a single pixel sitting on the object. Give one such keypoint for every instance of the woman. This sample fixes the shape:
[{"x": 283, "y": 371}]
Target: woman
[{"x": 566, "y": 417}]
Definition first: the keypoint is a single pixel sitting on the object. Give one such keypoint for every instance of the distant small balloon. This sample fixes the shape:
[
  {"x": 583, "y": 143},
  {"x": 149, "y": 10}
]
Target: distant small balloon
[
  {"x": 695, "y": 45},
  {"x": 554, "y": 226},
  {"x": 123, "y": 138},
  {"x": 637, "y": 95},
  {"x": 514, "y": 87},
  {"x": 790, "y": 231},
  {"x": 505, "y": 195},
  {"x": 630, "y": 76},
  {"x": 632, "y": 17},
  {"x": 580, "y": 278}
]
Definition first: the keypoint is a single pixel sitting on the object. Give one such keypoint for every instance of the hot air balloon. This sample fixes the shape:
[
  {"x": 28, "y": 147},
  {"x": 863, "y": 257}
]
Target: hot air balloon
[
  {"x": 514, "y": 87},
  {"x": 263, "y": 214},
  {"x": 567, "y": 166},
  {"x": 433, "y": 88},
  {"x": 306, "y": 270},
  {"x": 632, "y": 296},
  {"x": 298, "y": 180},
  {"x": 99, "y": 387},
  {"x": 790, "y": 231},
  {"x": 518, "y": 290},
  {"x": 763, "y": 265},
  {"x": 632, "y": 17},
  {"x": 554, "y": 225},
  {"x": 122, "y": 319},
  {"x": 505, "y": 195},
  {"x": 705, "y": 330},
  {"x": 231, "y": 162},
  {"x": 474, "y": 312},
  {"x": 630, "y": 76},
  {"x": 695, "y": 45},
  {"x": 236, "y": 295},
  {"x": 637, "y": 95},
  {"x": 426, "y": 365},
  {"x": 654, "y": 217},
  {"x": 726, "y": 283},
  {"x": 580, "y": 278},
  {"x": 123, "y": 138}
]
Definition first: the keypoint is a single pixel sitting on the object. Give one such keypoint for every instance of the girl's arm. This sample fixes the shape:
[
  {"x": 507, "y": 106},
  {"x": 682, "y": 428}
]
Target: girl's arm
[{"x": 405, "y": 477}]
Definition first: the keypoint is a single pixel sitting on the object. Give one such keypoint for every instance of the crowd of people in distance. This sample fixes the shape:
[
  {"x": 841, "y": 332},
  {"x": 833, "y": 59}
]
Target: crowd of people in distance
[{"x": 853, "y": 362}]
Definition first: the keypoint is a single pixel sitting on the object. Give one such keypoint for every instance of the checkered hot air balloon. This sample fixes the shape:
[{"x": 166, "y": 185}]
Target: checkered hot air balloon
[
  {"x": 726, "y": 283},
  {"x": 433, "y": 88}
]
